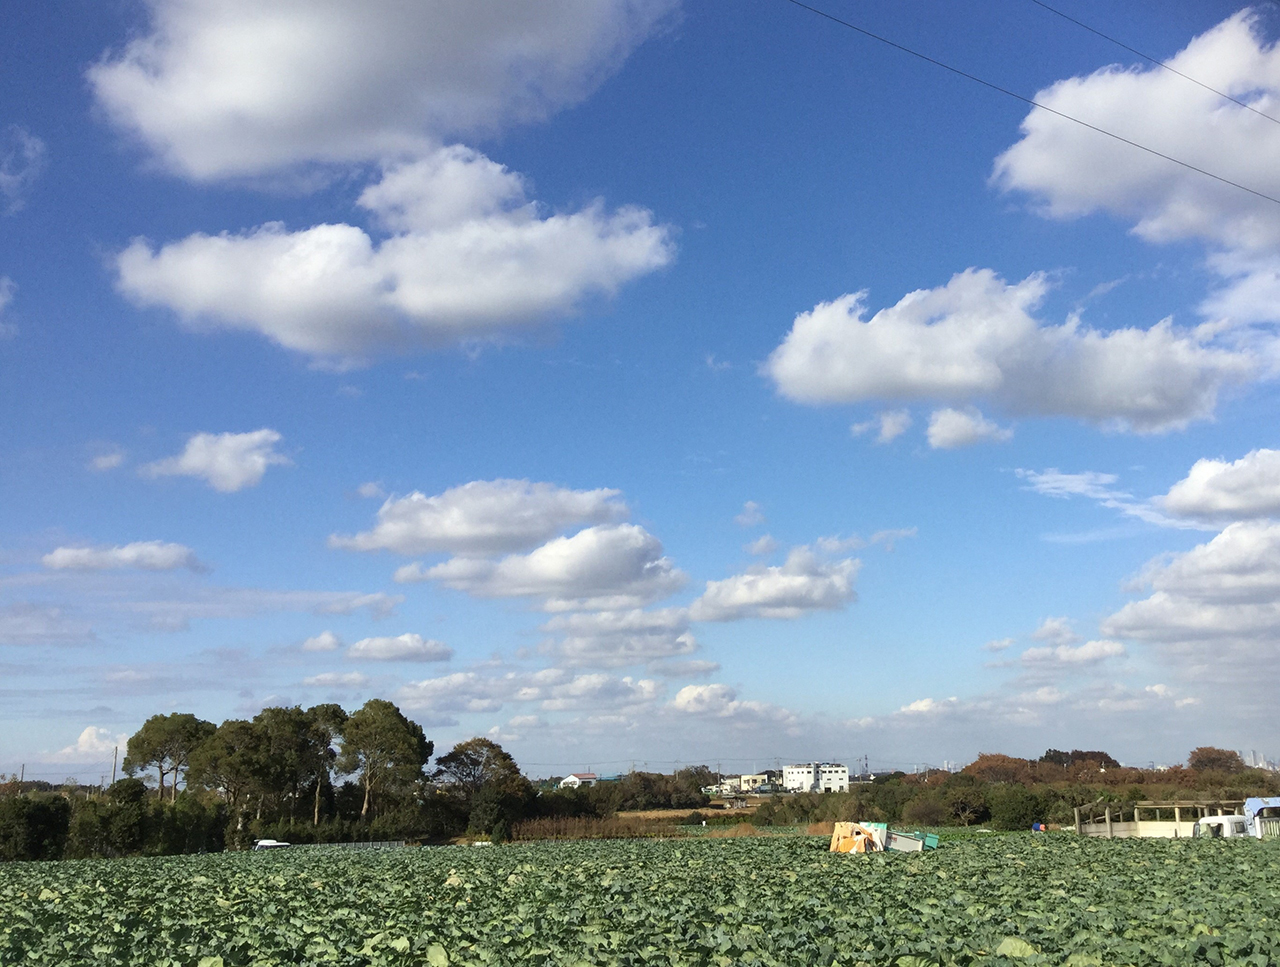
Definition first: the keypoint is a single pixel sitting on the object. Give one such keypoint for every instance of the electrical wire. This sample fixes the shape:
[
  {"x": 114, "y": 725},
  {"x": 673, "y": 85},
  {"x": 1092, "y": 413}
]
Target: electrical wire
[
  {"x": 1158, "y": 63},
  {"x": 1032, "y": 101}
]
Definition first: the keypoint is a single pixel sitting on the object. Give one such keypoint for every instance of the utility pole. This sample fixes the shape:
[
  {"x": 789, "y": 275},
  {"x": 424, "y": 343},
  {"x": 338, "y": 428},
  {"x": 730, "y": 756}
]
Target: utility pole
[
  {"x": 115, "y": 754},
  {"x": 22, "y": 775}
]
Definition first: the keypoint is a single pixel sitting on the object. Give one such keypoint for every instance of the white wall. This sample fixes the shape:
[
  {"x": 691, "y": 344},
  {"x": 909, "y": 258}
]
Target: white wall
[{"x": 798, "y": 778}]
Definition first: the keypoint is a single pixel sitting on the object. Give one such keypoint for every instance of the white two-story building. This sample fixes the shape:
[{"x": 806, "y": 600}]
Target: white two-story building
[{"x": 816, "y": 777}]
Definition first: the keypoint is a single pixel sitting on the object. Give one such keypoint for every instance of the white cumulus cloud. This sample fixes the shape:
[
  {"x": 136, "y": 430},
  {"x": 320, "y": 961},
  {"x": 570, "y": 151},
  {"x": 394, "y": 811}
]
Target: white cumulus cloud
[
  {"x": 1217, "y": 490},
  {"x": 467, "y": 258},
  {"x": 406, "y": 647},
  {"x": 325, "y": 641},
  {"x": 1248, "y": 293},
  {"x": 608, "y": 567},
  {"x": 92, "y": 745},
  {"x": 483, "y": 517},
  {"x": 1057, "y": 631},
  {"x": 722, "y": 702},
  {"x": 950, "y": 428},
  {"x": 227, "y": 87},
  {"x": 805, "y": 583},
  {"x": 459, "y": 692},
  {"x": 609, "y": 639},
  {"x": 930, "y": 706},
  {"x": 975, "y": 338},
  {"x": 1074, "y": 171},
  {"x": 1213, "y": 613},
  {"x": 553, "y": 689},
  {"x": 1240, "y": 565},
  {"x": 226, "y": 461},
  {"x": 146, "y": 555},
  {"x": 1071, "y": 171},
  {"x": 597, "y": 690},
  {"x": 1088, "y": 653}
]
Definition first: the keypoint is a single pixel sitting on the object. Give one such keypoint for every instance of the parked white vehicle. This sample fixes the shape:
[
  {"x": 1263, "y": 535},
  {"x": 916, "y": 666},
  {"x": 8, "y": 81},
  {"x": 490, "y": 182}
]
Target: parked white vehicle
[
  {"x": 269, "y": 844},
  {"x": 1221, "y": 827},
  {"x": 1259, "y": 820}
]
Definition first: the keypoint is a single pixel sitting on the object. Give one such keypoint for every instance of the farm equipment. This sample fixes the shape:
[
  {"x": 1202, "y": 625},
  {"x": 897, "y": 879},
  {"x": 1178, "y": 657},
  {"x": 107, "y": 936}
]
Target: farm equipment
[{"x": 877, "y": 837}]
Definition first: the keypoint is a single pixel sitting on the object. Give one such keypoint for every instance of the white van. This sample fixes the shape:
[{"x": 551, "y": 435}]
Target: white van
[{"x": 1221, "y": 827}]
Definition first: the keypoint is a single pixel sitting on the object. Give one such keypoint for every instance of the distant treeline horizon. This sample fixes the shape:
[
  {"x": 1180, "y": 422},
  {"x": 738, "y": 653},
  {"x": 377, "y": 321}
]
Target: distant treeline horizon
[{"x": 321, "y": 774}]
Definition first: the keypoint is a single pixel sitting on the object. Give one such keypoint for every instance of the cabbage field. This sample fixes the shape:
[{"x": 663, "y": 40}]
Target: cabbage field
[{"x": 1024, "y": 900}]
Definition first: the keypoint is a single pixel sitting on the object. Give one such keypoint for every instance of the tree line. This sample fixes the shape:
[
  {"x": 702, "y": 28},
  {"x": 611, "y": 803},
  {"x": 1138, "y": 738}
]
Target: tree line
[
  {"x": 307, "y": 775},
  {"x": 322, "y": 775}
]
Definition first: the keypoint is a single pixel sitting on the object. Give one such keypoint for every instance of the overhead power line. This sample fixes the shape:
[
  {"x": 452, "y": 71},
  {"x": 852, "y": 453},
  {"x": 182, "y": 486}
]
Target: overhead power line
[
  {"x": 1158, "y": 63},
  {"x": 1030, "y": 100}
]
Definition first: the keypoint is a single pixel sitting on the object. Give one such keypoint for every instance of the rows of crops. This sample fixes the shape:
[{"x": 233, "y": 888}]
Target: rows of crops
[{"x": 1019, "y": 899}]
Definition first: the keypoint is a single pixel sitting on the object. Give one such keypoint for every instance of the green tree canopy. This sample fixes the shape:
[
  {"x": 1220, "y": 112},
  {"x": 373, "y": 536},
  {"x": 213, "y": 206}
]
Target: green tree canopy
[
  {"x": 231, "y": 760},
  {"x": 384, "y": 747},
  {"x": 325, "y": 723},
  {"x": 476, "y": 763},
  {"x": 288, "y": 753},
  {"x": 166, "y": 743}
]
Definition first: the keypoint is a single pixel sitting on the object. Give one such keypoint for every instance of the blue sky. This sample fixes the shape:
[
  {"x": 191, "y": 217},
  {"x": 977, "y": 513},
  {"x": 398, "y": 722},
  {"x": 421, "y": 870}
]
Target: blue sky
[{"x": 638, "y": 381}]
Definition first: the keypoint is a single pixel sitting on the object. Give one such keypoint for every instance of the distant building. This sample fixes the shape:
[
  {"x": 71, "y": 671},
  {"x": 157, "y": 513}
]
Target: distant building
[
  {"x": 833, "y": 777},
  {"x": 576, "y": 780},
  {"x": 727, "y": 788},
  {"x": 798, "y": 778},
  {"x": 752, "y": 783},
  {"x": 816, "y": 777}
]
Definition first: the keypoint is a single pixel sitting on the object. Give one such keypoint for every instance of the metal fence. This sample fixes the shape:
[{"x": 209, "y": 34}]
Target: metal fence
[{"x": 368, "y": 844}]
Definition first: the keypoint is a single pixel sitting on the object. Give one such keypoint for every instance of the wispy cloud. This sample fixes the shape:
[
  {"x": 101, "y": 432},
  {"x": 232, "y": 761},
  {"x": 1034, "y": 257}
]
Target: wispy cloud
[
  {"x": 22, "y": 159},
  {"x": 1098, "y": 487}
]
